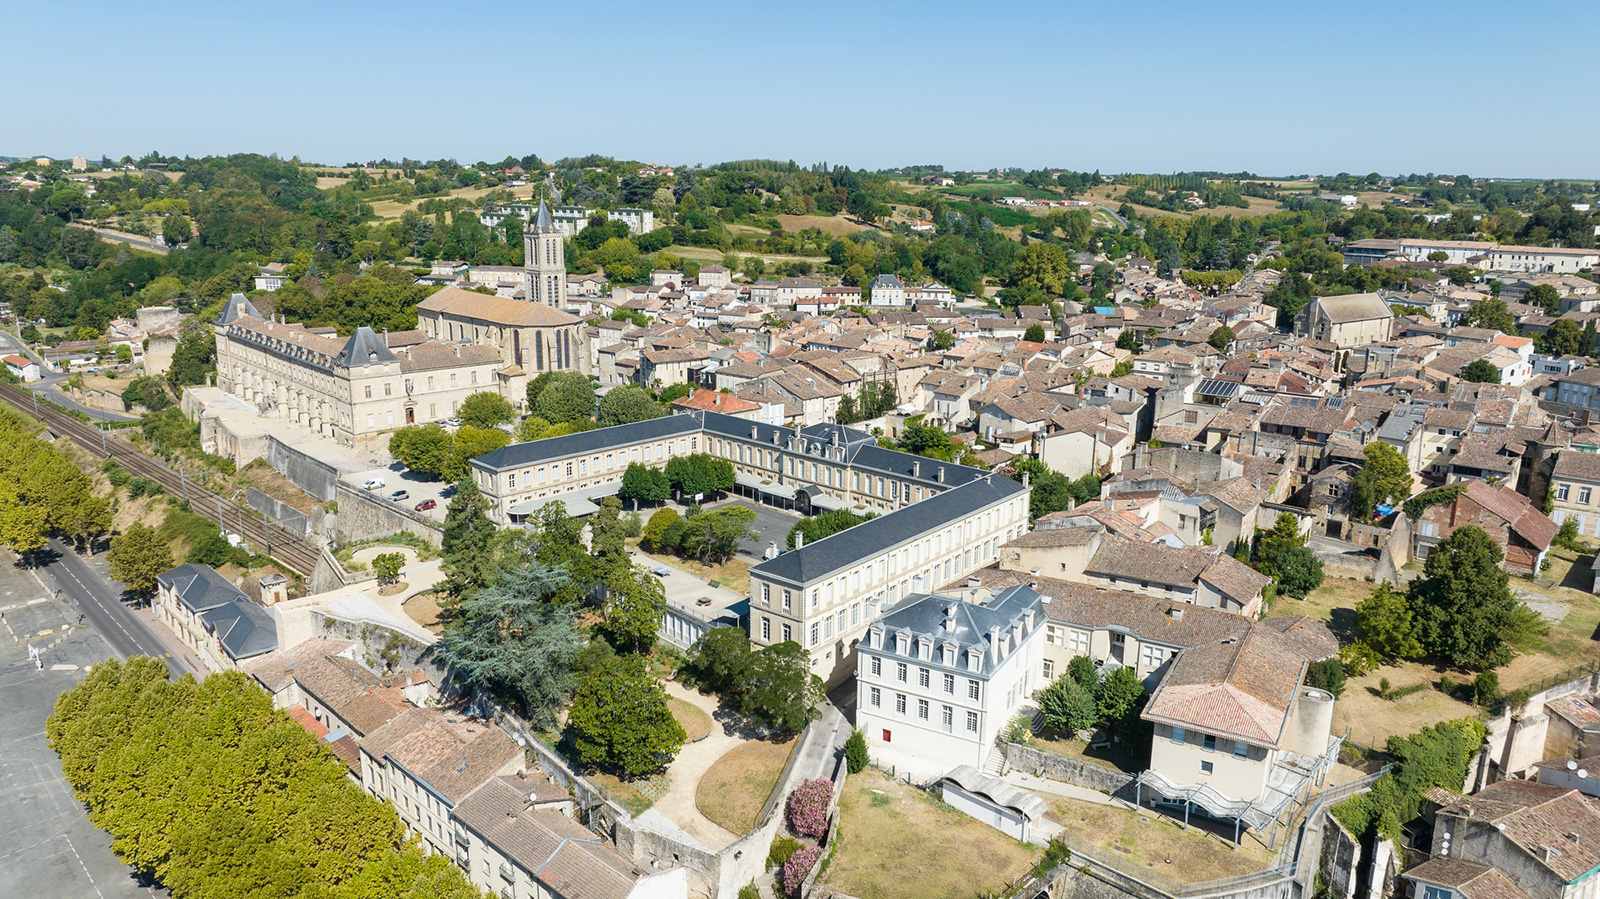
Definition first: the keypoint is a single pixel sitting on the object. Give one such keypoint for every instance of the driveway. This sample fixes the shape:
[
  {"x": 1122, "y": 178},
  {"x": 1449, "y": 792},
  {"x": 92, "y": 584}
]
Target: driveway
[{"x": 685, "y": 772}]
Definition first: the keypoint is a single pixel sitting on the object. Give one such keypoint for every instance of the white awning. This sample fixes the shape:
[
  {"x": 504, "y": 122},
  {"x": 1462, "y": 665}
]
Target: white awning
[
  {"x": 770, "y": 488},
  {"x": 824, "y": 501}
]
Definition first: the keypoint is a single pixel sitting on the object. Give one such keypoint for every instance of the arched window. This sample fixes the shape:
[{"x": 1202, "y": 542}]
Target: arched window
[{"x": 538, "y": 352}]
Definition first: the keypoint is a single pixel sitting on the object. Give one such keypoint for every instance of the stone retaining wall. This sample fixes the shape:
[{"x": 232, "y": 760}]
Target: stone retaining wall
[{"x": 1048, "y": 765}]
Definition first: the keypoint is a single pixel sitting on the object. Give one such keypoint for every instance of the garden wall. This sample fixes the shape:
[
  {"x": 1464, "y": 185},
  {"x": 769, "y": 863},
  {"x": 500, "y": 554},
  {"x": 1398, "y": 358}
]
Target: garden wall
[
  {"x": 363, "y": 516},
  {"x": 1048, "y": 765},
  {"x": 318, "y": 479}
]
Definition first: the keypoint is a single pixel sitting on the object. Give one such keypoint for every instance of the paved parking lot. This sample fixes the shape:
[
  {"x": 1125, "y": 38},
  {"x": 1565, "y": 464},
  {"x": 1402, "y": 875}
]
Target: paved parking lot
[
  {"x": 48, "y": 848},
  {"x": 398, "y": 477}
]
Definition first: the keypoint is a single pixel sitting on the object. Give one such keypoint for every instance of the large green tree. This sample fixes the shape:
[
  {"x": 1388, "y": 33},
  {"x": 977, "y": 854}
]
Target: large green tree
[
  {"x": 644, "y": 484},
  {"x": 635, "y": 603},
  {"x": 1283, "y": 536},
  {"x": 467, "y": 543},
  {"x": 561, "y": 396},
  {"x": 1466, "y": 612},
  {"x": 485, "y": 409},
  {"x": 515, "y": 639},
  {"x": 700, "y": 474},
  {"x": 428, "y": 449},
  {"x": 1386, "y": 623},
  {"x": 137, "y": 555},
  {"x": 1384, "y": 479},
  {"x": 1491, "y": 314},
  {"x": 1480, "y": 371},
  {"x": 207, "y": 790},
  {"x": 1067, "y": 707},
  {"x": 628, "y": 404},
  {"x": 778, "y": 689},
  {"x": 713, "y": 537},
  {"x": 620, "y": 720},
  {"x": 1043, "y": 267}
]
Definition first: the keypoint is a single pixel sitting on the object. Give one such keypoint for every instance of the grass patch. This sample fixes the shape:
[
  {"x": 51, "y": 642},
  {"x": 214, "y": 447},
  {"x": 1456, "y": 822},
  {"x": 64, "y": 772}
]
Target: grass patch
[
  {"x": 635, "y": 796},
  {"x": 908, "y": 845},
  {"x": 693, "y": 719},
  {"x": 425, "y": 609},
  {"x": 425, "y": 550},
  {"x": 1150, "y": 841},
  {"x": 732, "y": 793}
]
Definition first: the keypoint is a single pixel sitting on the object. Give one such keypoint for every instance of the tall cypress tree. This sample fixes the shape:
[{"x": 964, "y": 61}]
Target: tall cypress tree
[{"x": 468, "y": 544}]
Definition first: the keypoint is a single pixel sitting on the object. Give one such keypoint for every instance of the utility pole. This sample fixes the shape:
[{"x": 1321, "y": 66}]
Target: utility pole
[
  {"x": 183, "y": 483},
  {"x": 104, "y": 448}
]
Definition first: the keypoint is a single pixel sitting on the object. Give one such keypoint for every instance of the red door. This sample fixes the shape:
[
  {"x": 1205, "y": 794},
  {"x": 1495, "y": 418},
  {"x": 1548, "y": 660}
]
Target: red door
[{"x": 885, "y": 736}]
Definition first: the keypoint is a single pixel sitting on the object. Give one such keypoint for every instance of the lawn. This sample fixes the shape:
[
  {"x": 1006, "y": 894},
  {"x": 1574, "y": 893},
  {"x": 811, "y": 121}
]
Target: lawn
[
  {"x": 1156, "y": 842},
  {"x": 695, "y": 722},
  {"x": 836, "y": 225},
  {"x": 424, "y": 609},
  {"x": 1573, "y": 616},
  {"x": 895, "y": 842},
  {"x": 732, "y": 793}
]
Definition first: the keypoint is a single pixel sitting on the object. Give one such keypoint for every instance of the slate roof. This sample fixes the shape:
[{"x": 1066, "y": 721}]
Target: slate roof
[
  {"x": 363, "y": 348},
  {"x": 237, "y": 305},
  {"x": 244, "y": 629},
  {"x": 199, "y": 587},
  {"x": 551, "y": 448},
  {"x": 846, "y": 548},
  {"x": 947, "y": 619}
]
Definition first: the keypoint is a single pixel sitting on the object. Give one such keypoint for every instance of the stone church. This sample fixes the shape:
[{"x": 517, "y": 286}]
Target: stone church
[{"x": 369, "y": 384}]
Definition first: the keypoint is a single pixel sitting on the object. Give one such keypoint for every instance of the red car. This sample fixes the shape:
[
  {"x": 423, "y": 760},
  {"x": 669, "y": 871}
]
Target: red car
[{"x": 426, "y": 504}]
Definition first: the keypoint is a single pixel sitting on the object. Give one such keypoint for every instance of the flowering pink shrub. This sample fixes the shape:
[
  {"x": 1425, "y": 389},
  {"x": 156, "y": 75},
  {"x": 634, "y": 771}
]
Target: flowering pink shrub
[
  {"x": 808, "y": 808},
  {"x": 797, "y": 867}
]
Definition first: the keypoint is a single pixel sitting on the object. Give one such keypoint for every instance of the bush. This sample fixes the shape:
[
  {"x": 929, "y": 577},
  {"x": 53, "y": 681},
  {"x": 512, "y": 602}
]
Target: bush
[
  {"x": 855, "y": 752},
  {"x": 1403, "y": 692},
  {"x": 807, "y": 809},
  {"x": 632, "y": 524},
  {"x": 782, "y": 848},
  {"x": 749, "y": 891},
  {"x": 1486, "y": 689},
  {"x": 1358, "y": 658},
  {"x": 1447, "y": 686},
  {"x": 1067, "y": 707},
  {"x": 142, "y": 486},
  {"x": 663, "y": 530},
  {"x": 797, "y": 867},
  {"x": 1516, "y": 699},
  {"x": 116, "y": 474},
  {"x": 1326, "y": 674}
]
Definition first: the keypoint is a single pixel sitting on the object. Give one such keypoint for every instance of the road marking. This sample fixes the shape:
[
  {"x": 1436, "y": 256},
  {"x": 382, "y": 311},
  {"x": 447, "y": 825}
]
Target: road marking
[
  {"x": 63, "y": 667},
  {"x": 83, "y": 866}
]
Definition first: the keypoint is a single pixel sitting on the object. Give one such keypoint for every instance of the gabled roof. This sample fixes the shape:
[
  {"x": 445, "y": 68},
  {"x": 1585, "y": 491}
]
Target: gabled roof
[
  {"x": 237, "y": 305},
  {"x": 1555, "y": 826},
  {"x": 364, "y": 347},
  {"x": 199, "y": 587},
  {"x": 244, "y": 629}
]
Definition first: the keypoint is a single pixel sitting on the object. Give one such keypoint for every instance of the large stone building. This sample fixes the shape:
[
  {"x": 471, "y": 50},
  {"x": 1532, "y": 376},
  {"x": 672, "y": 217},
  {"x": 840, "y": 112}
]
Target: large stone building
[
  {"x": 937, "y": 521},
  {"x": 370, "y": 384}
]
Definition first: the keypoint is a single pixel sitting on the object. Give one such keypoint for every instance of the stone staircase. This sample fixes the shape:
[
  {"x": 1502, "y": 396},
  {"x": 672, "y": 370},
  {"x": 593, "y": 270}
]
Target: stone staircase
[{"x": 995, "y": 764}]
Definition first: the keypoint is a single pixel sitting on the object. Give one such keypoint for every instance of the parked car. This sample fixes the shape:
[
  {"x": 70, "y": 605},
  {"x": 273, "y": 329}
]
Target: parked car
[
  {"x": 451, "y": 422},
  {"x": 372, "y": 483},
  {"x": 427, "y": 504},
  {"x": 399, "y": 496},
  {"x": 661, "y": 571}
]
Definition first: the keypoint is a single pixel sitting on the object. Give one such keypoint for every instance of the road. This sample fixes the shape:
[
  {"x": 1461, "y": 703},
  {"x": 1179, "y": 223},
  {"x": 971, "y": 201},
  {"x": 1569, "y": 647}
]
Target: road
[
  {"x": 48, "y": 847},
  {"x": 47, "y": 385},
  {"x": 125, "y": 631},
  {"x": 137, "y": 241}
]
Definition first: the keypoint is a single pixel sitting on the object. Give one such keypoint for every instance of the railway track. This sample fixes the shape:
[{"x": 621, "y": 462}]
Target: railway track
[{"x": 274, "y": 540}]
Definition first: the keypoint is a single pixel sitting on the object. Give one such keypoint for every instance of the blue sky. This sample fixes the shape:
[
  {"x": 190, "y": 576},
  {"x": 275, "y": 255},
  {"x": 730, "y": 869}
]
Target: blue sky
[{"x": 1127, "y": 85}]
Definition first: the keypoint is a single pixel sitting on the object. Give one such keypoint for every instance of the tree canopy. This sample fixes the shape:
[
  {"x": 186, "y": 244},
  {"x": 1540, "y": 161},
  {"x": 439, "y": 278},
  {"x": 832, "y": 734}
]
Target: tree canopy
[
  {"x": 514, "y": 639},
  {"x": 620, "y": 720}
]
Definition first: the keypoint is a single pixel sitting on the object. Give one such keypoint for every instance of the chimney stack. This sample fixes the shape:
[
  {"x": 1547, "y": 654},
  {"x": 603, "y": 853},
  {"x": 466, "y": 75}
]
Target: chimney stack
[
  {"x": 799, "y": 540},
  {"x": 940, "y": 474},
  {"x": 916, "y": 468}
]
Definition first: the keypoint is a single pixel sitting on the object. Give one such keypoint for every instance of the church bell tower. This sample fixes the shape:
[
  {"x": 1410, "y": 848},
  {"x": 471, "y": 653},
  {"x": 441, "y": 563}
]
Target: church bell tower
[{"x": 544, "y": 261}]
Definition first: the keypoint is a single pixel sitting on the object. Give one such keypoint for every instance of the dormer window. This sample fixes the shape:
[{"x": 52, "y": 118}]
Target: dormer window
[
  {"x": 901, "y": 644},
  {"x": 948, "y": 654},
  {"x": 876, "y": 638}
]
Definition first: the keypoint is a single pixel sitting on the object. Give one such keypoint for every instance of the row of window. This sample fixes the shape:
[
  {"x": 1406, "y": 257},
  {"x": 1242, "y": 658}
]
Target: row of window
[
  {"x": 388, "y": 387},
  {"x": 1208, "y": 742},
  {"x": 924, "y": 709},
  {"x": 611, "y": 461},
  {"x": 902, "y": 674}
]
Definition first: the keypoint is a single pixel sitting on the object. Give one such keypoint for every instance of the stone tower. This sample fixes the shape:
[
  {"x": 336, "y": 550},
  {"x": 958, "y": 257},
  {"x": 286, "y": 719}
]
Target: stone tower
[{"x": 544, "y": 262}]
